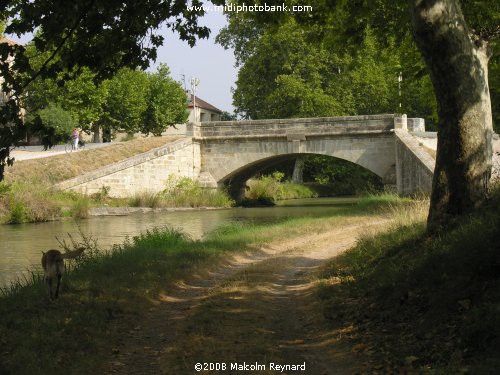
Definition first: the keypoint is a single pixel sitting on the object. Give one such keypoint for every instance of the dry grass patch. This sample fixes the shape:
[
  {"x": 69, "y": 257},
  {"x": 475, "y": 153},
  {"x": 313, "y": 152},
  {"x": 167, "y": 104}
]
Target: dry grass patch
[{"x": 62, "y": 167}]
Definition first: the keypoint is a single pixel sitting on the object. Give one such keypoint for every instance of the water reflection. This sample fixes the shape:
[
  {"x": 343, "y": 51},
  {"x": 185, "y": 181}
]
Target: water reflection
[{"x": 21, "y": 245}]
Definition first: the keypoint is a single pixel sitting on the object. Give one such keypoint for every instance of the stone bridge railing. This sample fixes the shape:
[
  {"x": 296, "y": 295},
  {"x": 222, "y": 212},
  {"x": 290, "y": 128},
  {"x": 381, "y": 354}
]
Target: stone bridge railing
[{"x": 291, "y": 128}]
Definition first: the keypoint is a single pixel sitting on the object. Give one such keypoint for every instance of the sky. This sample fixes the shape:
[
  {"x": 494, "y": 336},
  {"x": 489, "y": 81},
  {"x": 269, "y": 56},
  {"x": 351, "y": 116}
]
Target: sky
[{"x": 207, "y": 61}]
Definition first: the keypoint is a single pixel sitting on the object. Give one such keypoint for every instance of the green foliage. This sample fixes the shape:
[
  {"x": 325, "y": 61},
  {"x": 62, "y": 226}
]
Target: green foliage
[
  {"x": 132, "y": 101},
  {"x": 80, "y": 95},
  {"x": 18, "y": 212},
  {"x": 58, "y": 119},
  {"x": 291, "y": 75},
  {"x": 347, "y": 178},
  {"x": 182, "y": 192},
  {"x": 53, "y": 124},
  {"x": 24, "y": 203},
  {"x": 102, "y": 195},
  {"x": 127, "y": 101},
  {"x": 287, "y": 72},
  {"x": 4, "y": 188},
  {"x": 186, "y": 192},
  {"x": 265, "y": 190},
  {"x": 289, "y": 190},
  {"x": 103, "y": 35},
  {"x": 146, "y": 199},
  {"x": 226, "y": 116},
  {"x": 166, "y": 103}
]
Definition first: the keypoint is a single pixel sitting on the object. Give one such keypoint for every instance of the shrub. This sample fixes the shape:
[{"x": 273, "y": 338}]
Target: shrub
[
  {"x": 146, "y": 199},
  {"x": 17, "y": 213},
  {"x": 264, "y": 188},
  {"x": 186, "y": 192}
]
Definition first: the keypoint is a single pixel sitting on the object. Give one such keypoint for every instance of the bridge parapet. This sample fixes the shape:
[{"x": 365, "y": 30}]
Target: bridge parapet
[{"x": 292, "y": 128}]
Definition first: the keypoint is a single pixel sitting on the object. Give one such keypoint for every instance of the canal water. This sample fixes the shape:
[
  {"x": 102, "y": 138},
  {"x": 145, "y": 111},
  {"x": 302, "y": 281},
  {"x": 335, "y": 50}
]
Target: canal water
[{"x": 21, "y": 245}]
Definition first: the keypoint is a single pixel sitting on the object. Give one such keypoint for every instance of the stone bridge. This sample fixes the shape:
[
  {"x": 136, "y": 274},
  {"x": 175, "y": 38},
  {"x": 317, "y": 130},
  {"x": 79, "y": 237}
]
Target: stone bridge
[{"x": 228, "y": 153}]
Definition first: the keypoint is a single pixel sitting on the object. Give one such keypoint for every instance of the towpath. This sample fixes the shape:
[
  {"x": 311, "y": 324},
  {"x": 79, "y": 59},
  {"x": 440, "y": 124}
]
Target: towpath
[{"x": 257, "y": 308}]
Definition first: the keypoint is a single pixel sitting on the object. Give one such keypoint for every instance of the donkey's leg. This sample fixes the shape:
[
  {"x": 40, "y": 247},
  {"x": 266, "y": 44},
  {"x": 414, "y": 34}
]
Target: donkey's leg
[
  {"x": 48, "y": 282},
  {"x": 58, "y": 285}
]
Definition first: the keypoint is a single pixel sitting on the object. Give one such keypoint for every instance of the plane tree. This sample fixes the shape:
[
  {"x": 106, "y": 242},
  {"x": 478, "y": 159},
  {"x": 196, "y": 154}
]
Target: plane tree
[{"x": 456, "y": 39}]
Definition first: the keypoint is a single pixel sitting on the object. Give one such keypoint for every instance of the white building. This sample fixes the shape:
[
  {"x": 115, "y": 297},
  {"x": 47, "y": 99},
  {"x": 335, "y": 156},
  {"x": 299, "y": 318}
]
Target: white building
[{"x": 205, "y": 112}]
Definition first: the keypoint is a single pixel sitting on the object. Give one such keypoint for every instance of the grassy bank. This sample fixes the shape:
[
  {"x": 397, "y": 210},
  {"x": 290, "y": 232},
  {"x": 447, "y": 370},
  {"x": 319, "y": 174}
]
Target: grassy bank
[
  {"x": 37, "y": 202},
  {"x": 266, "y": 190},
  {"x": 416, "y": 303},
  {"x": 29, "y": 202},
  {"x": 182, "y": 192},
  {"x": 63, "y": 167},
  {"x": 104, "y": 293}
]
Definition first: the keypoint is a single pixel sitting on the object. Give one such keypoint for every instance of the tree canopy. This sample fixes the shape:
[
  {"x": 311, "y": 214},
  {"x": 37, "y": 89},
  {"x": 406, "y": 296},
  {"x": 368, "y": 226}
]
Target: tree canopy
[
  {"x": 286, "y": 71},
  {"x": 132, "y": 101}
]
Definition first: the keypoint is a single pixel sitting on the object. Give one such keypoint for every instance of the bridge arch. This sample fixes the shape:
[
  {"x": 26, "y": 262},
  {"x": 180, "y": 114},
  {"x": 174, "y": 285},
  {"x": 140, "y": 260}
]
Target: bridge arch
[
  {"x": 235, "y": 181},
  {"x": 231, "y": 150}
]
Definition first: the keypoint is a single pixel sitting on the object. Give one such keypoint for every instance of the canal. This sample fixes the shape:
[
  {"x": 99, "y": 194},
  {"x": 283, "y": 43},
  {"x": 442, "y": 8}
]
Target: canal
[{"x": 21, "y": 245}]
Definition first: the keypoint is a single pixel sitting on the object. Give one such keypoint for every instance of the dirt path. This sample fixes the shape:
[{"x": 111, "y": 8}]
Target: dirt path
[{"x": 258, "y": 307}]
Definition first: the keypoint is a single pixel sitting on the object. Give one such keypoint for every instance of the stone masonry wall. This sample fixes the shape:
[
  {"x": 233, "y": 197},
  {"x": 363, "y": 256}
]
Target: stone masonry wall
[
  {"x": 144, "y": 172},
  {"x": 414, "y": 167},
  {"x": 222, "y": 160}
]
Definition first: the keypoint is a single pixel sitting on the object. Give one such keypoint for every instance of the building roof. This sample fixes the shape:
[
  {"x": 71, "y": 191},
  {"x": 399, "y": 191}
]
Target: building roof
[
  {"x": 200, "y": 103},
  {"x": 10, "y": 42}
]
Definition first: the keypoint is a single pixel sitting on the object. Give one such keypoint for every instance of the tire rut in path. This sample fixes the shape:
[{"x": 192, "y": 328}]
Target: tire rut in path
[{"x": 257, "y": 307}]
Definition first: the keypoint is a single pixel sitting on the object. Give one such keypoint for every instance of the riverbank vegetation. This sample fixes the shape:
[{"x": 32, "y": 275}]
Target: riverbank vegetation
[
  {"x": 323, "y": 177},
  {"x": 266, "y": 190},
  {"x": 36, "y": 202},
  {"x": 105, "y": 292},
  {"x": 30, "y": 203},
  {"x": 182, "y": 192},
  {"x": 418, "y": 302}
]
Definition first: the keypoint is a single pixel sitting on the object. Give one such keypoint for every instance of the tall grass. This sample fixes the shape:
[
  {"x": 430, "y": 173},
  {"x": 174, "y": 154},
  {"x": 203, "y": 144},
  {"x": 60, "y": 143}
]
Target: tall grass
[
  {"x": 430, "y": 298},
  {"x": 33, "y": 201},
  {"x": 271, "y": 188},
  {"x": 182, "y": 192}
]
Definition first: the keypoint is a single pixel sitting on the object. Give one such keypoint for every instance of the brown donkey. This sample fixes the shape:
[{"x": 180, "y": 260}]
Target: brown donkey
[{"x": 53, "y": 267}]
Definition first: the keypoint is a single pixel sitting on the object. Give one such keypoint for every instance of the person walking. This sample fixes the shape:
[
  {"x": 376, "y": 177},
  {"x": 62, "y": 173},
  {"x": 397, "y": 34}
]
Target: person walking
[{"x": 75, "y": 137}]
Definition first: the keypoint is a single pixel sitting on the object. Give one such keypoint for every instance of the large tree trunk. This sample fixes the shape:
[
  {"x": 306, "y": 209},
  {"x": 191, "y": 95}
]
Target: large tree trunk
[{"x": 458, "y": 65}]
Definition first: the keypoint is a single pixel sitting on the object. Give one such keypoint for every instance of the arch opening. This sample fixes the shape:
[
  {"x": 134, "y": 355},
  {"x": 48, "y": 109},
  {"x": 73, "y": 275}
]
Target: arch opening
[{"x": 235, "y": 182}]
